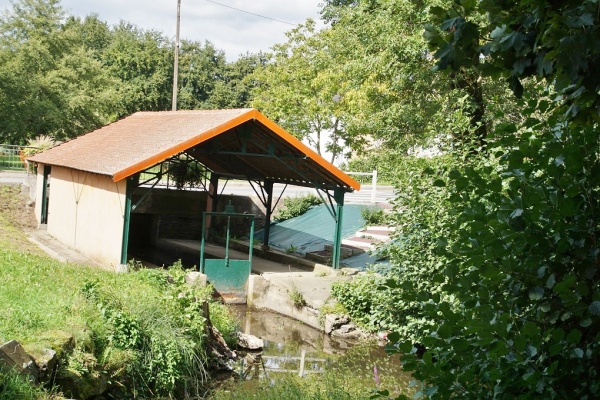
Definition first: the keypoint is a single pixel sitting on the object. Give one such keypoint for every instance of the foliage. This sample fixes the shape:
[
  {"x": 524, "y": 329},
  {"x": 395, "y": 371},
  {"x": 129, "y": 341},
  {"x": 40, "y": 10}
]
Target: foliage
[
  {"x": 296, "y": 297},
  {"x": 497, "y": 261},
  {"x": 14, "y": 386},
  {"x": 295, "y": 206},
  {"x": 38, "y": 144},
  {"x": 201, "y": 68},
  {"x": 370, "y": 303},
  {"x": 373, "y": 215},
  {"x": 235, "y": 89},
  {"x": 186, "y": 172},
  {"x": 300, "y": 90},
  {"x": 49, "y": 84},
  {"x": 144, "y": 330},
  {"x": 522, "y": 39},
  {"x": 62, "y": 76}
]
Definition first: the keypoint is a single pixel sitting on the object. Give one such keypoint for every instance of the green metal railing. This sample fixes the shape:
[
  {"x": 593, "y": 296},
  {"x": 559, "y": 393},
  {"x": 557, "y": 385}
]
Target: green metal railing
[{"x": 12, "y": 157}]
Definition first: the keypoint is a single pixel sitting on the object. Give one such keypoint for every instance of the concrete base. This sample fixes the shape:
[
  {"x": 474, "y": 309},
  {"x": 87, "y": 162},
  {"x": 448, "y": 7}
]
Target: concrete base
[{"x": 274, "y": 292}]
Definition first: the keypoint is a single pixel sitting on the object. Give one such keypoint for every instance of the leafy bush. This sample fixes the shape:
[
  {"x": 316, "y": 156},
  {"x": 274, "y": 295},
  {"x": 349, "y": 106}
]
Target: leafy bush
[
  {"x": 165, "y": 341},
  {"x": 296, "y": 297},
  {"x": 295, "y": 206},
  {"x": 370, "y": 303},
  {"x": 373, "y": 215},
  {"x": 495, "y": 273}
]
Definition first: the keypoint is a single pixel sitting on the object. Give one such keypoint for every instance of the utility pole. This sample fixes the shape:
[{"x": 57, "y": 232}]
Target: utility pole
[{"x": 176, "y": 66}]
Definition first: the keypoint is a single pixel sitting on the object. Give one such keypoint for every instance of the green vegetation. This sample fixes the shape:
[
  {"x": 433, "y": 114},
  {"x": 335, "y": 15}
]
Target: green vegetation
[
  {"x": 296, "y": 297},
  {"x": 144, "y": 331},
  {"x": 14, "y": 386},
  {"x": 66, "y": 75},
  {"x": 373, "y": 215},
  {"x": 352, "y": 376},
  {"x": 493, "y": 289},
  {"x": 295, "y": 206}
]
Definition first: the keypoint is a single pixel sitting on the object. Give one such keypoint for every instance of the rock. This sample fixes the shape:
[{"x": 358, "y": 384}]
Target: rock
[
  {"x": 89, "y": 382},
  {"x": 333, "y": 322},
  {"x": 195, "y": 278},
  {"x": 47, "y": 363},
  {"x": 348, "y": 331},
  {"x": 12, "y": 355},
  {"x": 249, "y": 342},
  {"x": 61, "y": 342},
  {"x": 349, "y": 271}
]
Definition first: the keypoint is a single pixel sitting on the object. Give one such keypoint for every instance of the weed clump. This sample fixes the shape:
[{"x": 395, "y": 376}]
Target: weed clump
[{"x": 295, "y": 206}]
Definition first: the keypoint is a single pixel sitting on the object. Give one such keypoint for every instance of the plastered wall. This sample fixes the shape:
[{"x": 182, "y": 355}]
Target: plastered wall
[{"x": 85, "y": 211}]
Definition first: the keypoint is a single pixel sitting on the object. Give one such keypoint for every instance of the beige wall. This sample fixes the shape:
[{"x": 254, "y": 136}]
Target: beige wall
[{"x": 86, "y": 212}]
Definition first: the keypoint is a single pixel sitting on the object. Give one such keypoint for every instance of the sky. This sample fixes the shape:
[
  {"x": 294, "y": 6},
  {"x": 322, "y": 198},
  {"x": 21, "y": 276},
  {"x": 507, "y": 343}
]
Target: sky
[{"x": 232, "y": 31}]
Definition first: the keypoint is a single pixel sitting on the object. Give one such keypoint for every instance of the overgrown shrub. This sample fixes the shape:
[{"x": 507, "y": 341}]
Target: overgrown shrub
[
  {"x": 165, "y": 337},
  {"x": 295, "y": 206},
  {"x": 373, "y": 215},
  {"x": 370, "y": 303}
]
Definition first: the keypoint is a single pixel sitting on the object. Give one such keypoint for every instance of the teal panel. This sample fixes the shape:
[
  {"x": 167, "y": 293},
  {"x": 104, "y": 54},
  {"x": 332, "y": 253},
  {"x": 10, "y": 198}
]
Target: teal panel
[{"x": 229, "y": 277}]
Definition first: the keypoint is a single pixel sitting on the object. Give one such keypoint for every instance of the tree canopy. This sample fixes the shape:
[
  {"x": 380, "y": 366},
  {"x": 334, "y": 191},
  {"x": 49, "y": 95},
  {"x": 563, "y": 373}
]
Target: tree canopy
[
  {"x": 493, "y": 289},
  {"x": 63, "y": 76}
]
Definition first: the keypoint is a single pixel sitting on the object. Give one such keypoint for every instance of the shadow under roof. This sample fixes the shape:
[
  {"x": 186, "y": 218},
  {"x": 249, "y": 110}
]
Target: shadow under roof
[{"x": 237, "y": 143}]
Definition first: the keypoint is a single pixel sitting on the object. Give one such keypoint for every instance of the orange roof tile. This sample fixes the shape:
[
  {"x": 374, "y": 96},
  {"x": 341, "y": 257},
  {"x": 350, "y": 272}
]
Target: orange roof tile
[{"x": 214, "y": 137}]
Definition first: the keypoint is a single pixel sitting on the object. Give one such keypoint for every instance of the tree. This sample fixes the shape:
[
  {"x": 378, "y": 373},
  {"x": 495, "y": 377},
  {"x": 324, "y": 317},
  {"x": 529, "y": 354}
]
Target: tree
[
  {"x": 200, "y": 68},
  {"x": 51, "y": 84},
  {"x": 300, "y": 89},
  {"x": 143, "y": 63},
  {"x": 512, "y": 306},
  {"x": 235, "y": 89}
]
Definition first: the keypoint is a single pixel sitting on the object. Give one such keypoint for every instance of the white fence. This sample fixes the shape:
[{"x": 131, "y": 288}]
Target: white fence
[{"x": 373, "y": 181}]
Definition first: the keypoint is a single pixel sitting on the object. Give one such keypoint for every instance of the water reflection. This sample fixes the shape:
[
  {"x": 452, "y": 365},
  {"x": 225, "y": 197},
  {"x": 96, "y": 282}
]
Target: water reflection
[{"x": 295, "y": 349}]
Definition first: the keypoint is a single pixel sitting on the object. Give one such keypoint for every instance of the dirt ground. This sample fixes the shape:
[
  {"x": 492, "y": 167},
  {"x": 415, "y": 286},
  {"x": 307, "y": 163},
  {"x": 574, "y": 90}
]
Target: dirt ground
[{"x": 16, "y": 218}]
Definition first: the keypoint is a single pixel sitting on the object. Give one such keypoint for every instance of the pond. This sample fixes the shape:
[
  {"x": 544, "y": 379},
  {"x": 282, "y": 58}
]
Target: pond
[{"x": 304, "y": 362}]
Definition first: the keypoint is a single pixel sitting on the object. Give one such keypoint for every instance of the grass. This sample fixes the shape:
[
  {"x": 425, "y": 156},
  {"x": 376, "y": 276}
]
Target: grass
[
  {"x": 296, "y": 297},
  {"x": 145, "y": 330},
  {"x": 13, "y": 386}
]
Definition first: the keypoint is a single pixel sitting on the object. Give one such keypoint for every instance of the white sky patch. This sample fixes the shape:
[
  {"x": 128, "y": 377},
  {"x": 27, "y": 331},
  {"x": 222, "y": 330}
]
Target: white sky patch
[{"x": 229, "y": 30}]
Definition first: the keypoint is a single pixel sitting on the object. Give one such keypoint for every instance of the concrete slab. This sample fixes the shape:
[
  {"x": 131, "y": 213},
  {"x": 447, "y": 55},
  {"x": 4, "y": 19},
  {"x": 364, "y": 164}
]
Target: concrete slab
[
  {"x": 58, "y": 250},
  {"x": 259, "y": 265},
  {"x": 280, "y": 292}
]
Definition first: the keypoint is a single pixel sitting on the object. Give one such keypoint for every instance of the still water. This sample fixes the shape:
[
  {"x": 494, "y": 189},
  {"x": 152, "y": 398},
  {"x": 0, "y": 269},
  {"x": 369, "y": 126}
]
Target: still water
[{"x": 295, "y": 349}]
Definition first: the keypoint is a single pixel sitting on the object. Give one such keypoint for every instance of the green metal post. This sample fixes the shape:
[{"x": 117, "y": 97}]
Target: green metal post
[
  {"x": 211, "y": 202},
  {"x": 338, "y": 195},
  {"x": 227, "y": 242},
  {"x": 201, "y": 268},
  {"x": 251, "y": 246},
  {"x": 44, "y": 216},
  {"x": 130, "y": 187}
]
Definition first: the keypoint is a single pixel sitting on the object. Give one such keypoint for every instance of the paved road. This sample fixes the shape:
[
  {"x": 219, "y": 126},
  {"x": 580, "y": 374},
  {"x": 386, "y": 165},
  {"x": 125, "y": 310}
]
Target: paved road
[
  {"x": 12, "y": 177},
  {"x": 383, "y": 194}
]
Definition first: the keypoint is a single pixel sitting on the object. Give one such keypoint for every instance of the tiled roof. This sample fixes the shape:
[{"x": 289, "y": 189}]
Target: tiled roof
[{"x": 238, "y": 143}]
